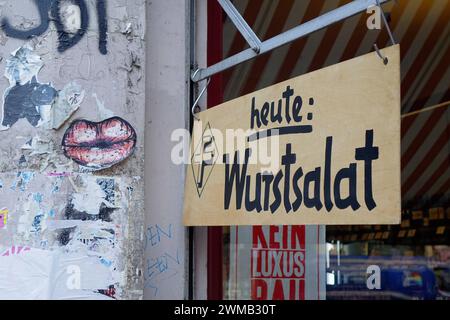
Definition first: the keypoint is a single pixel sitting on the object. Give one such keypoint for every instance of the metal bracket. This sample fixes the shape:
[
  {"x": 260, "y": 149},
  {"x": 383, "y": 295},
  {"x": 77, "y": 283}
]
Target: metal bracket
[
  {"x": 323, "y": 21},
  {"x": 246, "y": 31}
]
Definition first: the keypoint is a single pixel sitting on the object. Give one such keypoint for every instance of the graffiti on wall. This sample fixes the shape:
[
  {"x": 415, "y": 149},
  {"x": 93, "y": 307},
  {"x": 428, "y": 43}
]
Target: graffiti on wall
[
  {"x": 161, "y": 264},
  {"x": 52, "y": 10},
  {"x": 14, "y": 250},
  {"x": 99, "y": 145},
  {"x": 94, "y": 145},
  {"x": 54, "y": 219}
]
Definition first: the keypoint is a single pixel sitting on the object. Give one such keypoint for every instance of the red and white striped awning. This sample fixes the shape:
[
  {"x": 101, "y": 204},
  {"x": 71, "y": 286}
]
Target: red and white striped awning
[{"x": 421, "y": 27}]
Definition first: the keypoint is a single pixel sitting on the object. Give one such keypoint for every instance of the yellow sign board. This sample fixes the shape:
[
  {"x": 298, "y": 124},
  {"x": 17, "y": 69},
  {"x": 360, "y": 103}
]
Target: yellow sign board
[{"x": 322, "y": 148}]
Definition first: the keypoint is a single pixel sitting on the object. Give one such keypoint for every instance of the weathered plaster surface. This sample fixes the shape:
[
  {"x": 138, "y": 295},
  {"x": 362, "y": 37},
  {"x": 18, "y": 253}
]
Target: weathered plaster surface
[
  {"x": 166, "y": 248},
  {"x": 32, "y": 162}
]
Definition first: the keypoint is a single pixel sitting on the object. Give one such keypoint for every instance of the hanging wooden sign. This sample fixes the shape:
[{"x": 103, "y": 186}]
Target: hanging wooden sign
[{"x": 322, "y": 148}]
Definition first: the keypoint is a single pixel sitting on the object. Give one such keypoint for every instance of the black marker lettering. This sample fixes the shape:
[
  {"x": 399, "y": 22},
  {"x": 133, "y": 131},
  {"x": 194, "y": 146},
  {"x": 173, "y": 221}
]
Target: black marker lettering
[
  {"x": 351, "y": 200},
  {"x": 327, "y": 178},
  {"x": 368, "y": 154}
]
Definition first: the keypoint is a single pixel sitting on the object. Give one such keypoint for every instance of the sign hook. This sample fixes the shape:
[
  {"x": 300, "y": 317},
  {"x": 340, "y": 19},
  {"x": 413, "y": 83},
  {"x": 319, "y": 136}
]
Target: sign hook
[
  {"x": 199, "y": 97},
  {"x": 385, "y": 59},
  {"x": 391, "y": 36}
]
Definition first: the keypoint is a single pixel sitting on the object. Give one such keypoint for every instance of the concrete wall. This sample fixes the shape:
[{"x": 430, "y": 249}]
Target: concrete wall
[
  {"x": 72, "y": 190},
  {"x": 166, "y": 254}
]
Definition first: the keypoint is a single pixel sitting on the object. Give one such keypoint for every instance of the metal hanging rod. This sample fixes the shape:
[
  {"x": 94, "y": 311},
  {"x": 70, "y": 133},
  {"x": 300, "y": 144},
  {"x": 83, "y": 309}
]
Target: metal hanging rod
[
  {"x": 386, "y": 24},
  {"x": 242, "y": 26},
  {"x": 258, "y": 48}
]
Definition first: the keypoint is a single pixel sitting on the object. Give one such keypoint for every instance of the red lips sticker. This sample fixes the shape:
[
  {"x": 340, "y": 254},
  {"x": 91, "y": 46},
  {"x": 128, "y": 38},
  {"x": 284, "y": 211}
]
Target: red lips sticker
[{"x": 99, "y": 145}]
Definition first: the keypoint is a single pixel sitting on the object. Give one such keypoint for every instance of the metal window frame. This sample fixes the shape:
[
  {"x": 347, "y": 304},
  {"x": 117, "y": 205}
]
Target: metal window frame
[{"x": 258, "y": 48}]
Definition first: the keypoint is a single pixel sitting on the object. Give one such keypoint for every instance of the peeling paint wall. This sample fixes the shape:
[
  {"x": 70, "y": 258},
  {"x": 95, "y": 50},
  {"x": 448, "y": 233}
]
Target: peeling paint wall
[{"x": 72, "y": 149}]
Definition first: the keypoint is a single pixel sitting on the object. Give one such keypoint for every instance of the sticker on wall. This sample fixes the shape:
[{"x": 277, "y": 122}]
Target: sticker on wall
[
  {"x": 3, "y": 218},
  {"x": 99, "y": 145}
]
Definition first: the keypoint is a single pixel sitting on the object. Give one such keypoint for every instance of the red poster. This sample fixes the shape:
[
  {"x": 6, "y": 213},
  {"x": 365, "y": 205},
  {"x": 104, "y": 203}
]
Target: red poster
[{"x": 275, "y": 263}]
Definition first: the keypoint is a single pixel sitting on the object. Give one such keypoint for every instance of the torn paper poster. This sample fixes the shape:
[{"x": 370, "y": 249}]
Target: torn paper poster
[
  {"x": 26, "y": 275},
  {"x": 31, "y": 101},
  {"x": 66, "y": 103},
  {"x": 40, "y": 103},
  {"x": 90, "y": 202},
  {"x": 42, "y": 153},
  {"x": 3, "y": 218},
  {"x": 43, "y": 274},
  {"x": 103, "y": 112},
  {"x": 26, "y": 97},
  {"x": 39, "y": 146},
  {"x": 22, "y": 66},
  {"x": 21, "y": 180},
  {"x": 78, "y": 222}
]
